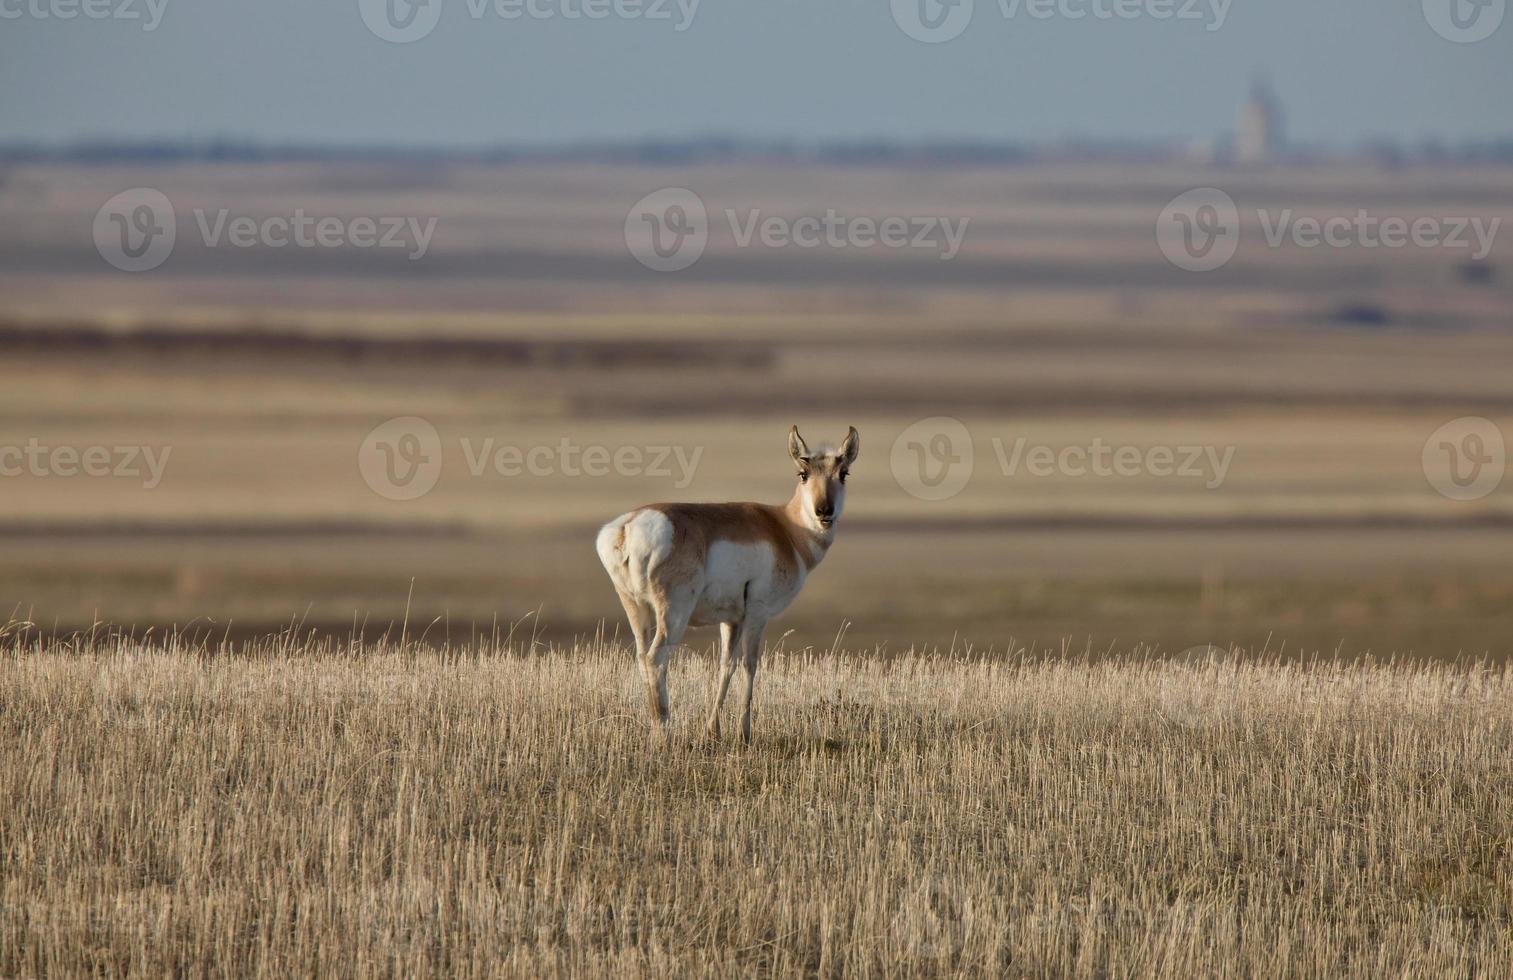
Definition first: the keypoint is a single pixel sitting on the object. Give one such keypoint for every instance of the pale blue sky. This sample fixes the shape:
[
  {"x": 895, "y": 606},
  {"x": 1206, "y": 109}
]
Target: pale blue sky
[{"x": 310, "y": 70}]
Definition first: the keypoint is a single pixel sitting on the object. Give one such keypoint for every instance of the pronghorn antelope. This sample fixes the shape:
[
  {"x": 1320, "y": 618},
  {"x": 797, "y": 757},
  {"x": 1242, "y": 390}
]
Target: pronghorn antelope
[{"x": 738, "y": 565}]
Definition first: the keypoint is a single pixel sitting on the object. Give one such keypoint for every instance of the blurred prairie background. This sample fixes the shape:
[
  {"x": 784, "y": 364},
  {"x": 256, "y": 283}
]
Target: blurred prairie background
[{"x": 527, "y": 323}]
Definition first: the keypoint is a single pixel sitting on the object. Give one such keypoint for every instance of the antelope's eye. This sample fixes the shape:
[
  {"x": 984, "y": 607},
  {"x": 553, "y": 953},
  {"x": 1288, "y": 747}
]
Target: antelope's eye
[
  {"x": 844, "y": 474},
  {"x": 803, "y": 476}
]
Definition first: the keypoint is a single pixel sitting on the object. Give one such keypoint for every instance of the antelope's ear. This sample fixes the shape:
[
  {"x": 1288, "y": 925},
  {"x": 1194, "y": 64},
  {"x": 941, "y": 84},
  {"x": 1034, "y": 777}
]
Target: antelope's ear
[
  {"x": 851, "y": 447},
  {"x": 796, "y": 447}
]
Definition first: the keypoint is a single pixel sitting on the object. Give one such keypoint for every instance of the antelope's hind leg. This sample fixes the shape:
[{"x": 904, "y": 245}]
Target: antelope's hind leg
[
  {"x": 643, "y": 622},
  {"x": 641, "y": 619},
  {"x": 672, "y": 608}
]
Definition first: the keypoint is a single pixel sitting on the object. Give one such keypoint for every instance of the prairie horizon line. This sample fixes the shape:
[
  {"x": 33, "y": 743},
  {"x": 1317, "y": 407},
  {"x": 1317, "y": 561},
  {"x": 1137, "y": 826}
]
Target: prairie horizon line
[{"x": 716, "y": 148}]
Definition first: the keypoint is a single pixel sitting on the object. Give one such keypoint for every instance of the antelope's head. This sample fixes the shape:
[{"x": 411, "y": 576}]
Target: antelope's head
[{"x": 822, "y": 477}]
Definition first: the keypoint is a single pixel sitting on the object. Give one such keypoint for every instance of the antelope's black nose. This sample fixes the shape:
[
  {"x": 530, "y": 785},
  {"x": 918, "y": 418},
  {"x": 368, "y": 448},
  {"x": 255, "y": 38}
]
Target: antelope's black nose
[{"x": 825, "y": 512}]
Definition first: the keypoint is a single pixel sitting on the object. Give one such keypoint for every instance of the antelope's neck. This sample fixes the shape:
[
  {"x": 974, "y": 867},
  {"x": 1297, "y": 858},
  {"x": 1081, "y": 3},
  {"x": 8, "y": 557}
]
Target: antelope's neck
[{"x": 810, "y": 542}]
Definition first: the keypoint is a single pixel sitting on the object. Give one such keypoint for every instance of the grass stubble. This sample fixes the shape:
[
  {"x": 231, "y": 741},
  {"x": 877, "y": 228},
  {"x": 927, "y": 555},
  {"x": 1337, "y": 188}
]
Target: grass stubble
[{"x": 294, "y": 809}]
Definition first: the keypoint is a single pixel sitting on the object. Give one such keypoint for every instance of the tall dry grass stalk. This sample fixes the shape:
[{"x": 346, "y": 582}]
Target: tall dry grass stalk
[{"x": 291, "y": 810}]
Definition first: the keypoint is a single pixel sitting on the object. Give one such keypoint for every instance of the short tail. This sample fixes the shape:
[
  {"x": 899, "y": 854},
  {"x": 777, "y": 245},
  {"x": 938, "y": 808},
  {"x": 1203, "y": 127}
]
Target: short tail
[{"x": 611, "y": 547}]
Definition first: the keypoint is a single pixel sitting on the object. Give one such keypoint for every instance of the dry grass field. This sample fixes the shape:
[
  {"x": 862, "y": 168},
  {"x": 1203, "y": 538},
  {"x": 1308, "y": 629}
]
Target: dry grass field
[{"x": 295, "y": 807}]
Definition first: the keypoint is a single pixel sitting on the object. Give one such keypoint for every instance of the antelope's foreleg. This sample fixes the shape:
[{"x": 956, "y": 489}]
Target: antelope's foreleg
[
  {"x": 751, "y": 655},
  {"x": 731, "y": 640}
]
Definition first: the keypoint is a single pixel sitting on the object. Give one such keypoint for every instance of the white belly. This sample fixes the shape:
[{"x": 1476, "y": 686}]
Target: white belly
[{"x": 740, "y": 580}]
